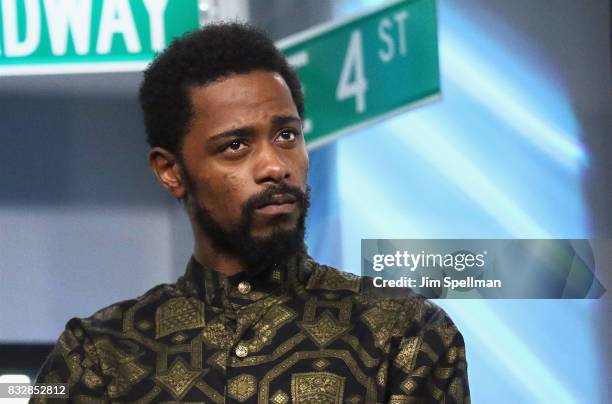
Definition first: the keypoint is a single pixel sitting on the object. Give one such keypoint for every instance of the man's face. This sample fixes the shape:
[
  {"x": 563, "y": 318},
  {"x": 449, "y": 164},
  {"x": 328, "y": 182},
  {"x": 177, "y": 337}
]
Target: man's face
[{"x": 245, "y": 163}]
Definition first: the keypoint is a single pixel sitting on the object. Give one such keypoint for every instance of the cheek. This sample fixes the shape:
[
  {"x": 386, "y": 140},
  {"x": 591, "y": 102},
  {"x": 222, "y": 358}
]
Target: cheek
[
  {"x": 306, "y": 162},
  {"x": 302, "y": 167},
  {"x": 231, "y": 191},
  {"x": 227, "y": 195}
]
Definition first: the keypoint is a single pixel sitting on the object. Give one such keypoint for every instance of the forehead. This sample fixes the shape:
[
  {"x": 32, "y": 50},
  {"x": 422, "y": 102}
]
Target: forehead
[{"x": 241, "y": 99}]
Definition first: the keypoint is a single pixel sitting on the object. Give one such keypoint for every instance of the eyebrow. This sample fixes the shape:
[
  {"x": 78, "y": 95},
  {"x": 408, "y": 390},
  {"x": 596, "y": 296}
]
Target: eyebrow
[
  {"x": 249, "y": 131},
  {"x": 245, "y": 132},
  {"x": 285, "y": 119}
]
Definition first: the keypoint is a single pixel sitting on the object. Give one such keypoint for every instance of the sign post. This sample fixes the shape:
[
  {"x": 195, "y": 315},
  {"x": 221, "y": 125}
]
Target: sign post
[{"x": 365, "y": 69}]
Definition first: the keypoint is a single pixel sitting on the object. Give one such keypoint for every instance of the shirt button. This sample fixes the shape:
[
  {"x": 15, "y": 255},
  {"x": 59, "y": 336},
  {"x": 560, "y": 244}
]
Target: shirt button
[
  {"x": 244, "y": 287},
  {"x": 242, "y": 351}
]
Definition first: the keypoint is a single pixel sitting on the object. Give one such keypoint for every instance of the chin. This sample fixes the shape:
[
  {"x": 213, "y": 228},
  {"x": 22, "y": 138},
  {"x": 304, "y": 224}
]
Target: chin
[
  {"x": 281, "y": 223},
  {"x": 274, "y": 231}
]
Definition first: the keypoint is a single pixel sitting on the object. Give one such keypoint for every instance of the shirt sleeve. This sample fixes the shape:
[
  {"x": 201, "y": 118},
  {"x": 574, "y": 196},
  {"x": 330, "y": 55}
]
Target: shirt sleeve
[
  {"x": 429, "y": 364},
  {"x": 74, "y": 360}
]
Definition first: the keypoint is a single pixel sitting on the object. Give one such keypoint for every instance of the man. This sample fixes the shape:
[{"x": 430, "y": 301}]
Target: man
[{"x": 254, "y": 319}]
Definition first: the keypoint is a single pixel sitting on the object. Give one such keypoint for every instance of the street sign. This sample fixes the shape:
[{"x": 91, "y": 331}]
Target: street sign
[
  {"x": 75, "y": 36},
  {"x": 367, "y": 68}
]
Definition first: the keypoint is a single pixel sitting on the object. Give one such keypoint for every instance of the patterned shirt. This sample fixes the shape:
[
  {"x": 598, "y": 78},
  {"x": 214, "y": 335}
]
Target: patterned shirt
[{"x": 307, "y": 333}]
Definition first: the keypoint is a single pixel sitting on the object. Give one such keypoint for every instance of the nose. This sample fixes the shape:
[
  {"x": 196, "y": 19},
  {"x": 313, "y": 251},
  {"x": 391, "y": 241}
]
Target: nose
[{"x": 270, "y": 166}]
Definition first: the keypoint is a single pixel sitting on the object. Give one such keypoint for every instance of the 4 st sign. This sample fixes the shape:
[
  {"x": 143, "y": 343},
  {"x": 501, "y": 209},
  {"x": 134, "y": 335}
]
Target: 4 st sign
[
  {"x": 63, "y": 36},
  {"x": 365, "y": 69}
]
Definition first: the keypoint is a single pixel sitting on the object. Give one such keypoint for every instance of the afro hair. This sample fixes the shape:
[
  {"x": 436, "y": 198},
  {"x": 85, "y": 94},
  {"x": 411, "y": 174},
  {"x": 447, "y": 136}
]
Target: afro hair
[{"x": 196, "y": 59}]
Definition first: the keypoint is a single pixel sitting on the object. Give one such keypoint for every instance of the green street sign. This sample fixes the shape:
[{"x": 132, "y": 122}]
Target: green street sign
[
  {"x": 365, "y": 69},
  {"x": 76, "y": 36}
]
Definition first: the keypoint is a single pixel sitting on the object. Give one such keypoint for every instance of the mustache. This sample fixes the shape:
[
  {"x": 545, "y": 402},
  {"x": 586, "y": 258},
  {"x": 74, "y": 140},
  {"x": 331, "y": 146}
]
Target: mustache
[{"x": 265, "y": 197}]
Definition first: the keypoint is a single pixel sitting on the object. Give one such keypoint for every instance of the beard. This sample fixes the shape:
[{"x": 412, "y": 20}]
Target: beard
[{"x": 255, "y": 253}]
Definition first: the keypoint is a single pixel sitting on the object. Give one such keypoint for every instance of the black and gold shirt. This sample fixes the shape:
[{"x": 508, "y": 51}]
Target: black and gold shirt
[{"x": 305, "y": 334}]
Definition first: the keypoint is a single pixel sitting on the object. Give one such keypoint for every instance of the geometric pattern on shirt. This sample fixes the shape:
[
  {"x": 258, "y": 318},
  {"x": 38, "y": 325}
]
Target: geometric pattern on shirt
[
  {"x": 329, "y": 278},
  {"x": 378, "y": 321},
  {"x": 320, "y": 364},
  {"x": 179, "y": 338},
  {"x": 433, "y": 390},
  {"x": 381, "y": 375},
  {"x": 178, "y": 314},
  {"x": 218, "y": 360},
  {"x": 265, "y": 329},
  {"x": 217, "y": 335},
  {"x": 122, "y": 367},
  {"x": 408, "y": 385},
  {"x": 144, "y": 325},
  {"x": 408, "y": 350},
  {"x": 178, "y": 378},
  {"x": 343, "y": 355},
  {"x": 344, "y": 307},
  {"x": 357, "y": 346},
  {"x": 401, "y": 399},
  {"x": 445, "y": 332},
  {"x": 242, "y": 387},
  {"x": 325, "y": 330},
  {"x": 91, "y": 379},
  {"x": 456, "y": 389},
  {"x": 317, "y": 387},
  {"x": 280, "y": 397}
]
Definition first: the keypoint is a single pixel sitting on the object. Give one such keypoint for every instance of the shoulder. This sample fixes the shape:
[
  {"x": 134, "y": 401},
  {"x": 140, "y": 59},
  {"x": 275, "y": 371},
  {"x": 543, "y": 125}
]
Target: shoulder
[
  {"x": 325, "y": 277},
  {"x": 393, "y": 317},
  {"x": 401, "y": 306},
  {"x": 123, "y": 316}
]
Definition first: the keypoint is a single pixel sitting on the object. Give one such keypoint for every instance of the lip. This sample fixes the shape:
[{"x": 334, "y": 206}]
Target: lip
[
  {"x": 274, "y": 209},
  {"x": 278, "y": 204}
]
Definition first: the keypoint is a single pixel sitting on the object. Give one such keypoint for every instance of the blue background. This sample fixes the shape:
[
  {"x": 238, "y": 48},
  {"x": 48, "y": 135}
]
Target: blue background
[{"x": 501, "y": 155}]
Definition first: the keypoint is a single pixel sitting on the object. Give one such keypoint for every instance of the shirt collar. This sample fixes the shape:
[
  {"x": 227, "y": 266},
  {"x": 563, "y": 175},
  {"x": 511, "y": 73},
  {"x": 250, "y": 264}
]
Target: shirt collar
[{"x": 213, "y": 287}]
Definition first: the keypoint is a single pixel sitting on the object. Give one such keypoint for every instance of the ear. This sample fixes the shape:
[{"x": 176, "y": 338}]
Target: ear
[{"x": 166, "y": 168}]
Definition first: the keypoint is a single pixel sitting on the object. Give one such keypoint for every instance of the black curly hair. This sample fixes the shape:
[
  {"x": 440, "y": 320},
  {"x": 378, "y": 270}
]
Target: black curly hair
[{"x": 196, "y": 59}]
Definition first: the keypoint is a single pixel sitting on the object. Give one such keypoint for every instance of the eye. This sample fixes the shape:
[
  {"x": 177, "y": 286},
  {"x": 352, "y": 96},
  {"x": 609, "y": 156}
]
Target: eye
[
  {"x": 235, "y": 146},
  {"x": 287, "y": 135}
]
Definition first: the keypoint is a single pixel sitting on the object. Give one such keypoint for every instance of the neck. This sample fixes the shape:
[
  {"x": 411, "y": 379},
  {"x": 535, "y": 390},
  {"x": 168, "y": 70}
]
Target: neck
[{"x": 209, "y": 257}]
